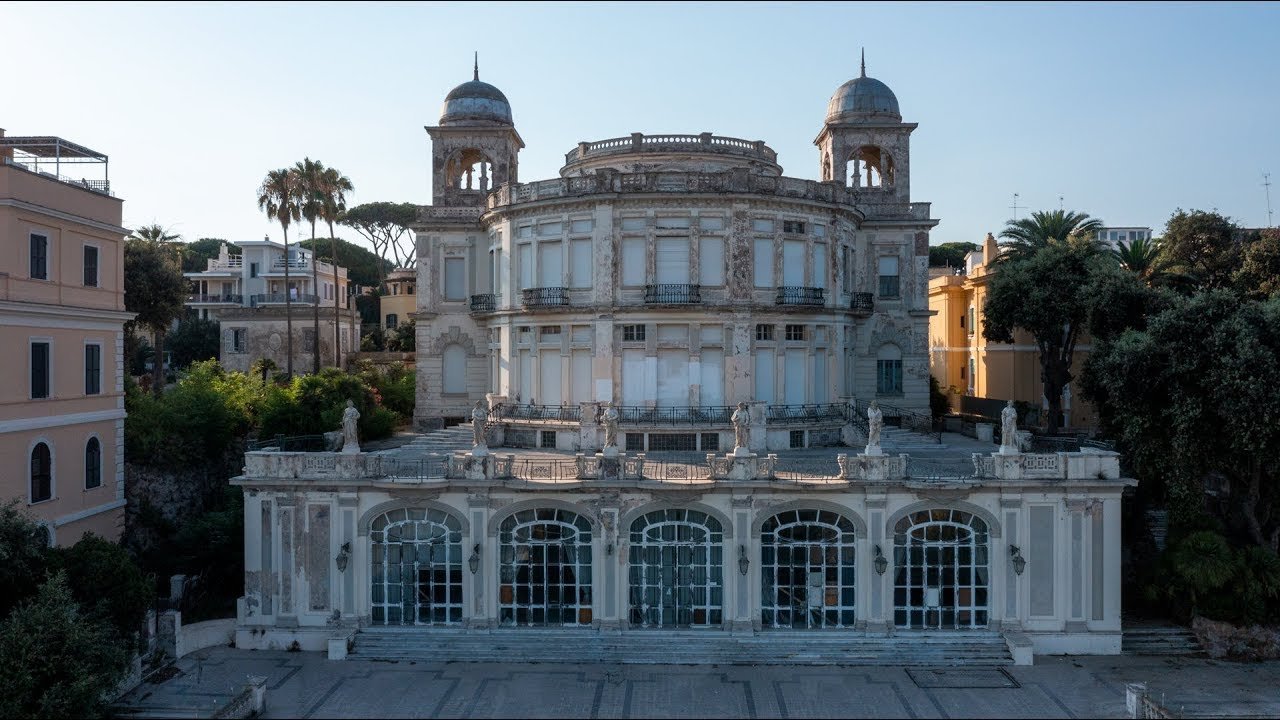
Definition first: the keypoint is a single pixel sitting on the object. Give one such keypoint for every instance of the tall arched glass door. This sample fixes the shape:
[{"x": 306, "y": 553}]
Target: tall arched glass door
[
  {"x": 807, "y": 570},
  {"x": 940, "y": 570},
  {"x": 416, "y": 568},
  {"x": 545, "y": 568},
  {"x": 676, "y": 570}
]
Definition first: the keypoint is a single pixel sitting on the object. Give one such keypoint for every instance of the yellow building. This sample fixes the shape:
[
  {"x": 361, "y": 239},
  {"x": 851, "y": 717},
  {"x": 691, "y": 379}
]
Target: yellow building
[
  {"x": 61, "y": 326},
  {"x": 978, "y": 375},
  {"x": 400, "y": 300}
]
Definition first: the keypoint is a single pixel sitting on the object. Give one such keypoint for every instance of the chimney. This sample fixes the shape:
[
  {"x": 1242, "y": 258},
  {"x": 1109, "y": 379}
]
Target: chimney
[{"x": 989, "y": 249}]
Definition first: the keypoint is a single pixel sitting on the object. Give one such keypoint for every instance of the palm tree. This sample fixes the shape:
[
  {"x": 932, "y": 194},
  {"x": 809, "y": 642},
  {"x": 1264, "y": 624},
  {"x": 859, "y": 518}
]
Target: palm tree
[
  {"x": 1142, "y": 257},
  {"x": 309, "y": 175},
  {"x": 157, "y": 296},
  {"x": 336, "y": 186},
  {"x": 1043, "y": 228},
  {"x": 278, "y": 197}
]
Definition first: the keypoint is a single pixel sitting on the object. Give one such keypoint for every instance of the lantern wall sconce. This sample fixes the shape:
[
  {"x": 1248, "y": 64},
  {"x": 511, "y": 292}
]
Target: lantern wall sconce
[
  {"x": 1019, "y": 562},
  {"x": 474, "y": 561},
  {"x": 881, "y": 563},
  {"x": 344, "y": 556},
  {"x": 743, "y": 562}
]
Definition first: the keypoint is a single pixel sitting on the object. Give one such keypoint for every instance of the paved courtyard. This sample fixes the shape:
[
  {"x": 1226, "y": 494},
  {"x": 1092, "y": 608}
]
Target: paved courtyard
[{"x": 309, "y": 685}]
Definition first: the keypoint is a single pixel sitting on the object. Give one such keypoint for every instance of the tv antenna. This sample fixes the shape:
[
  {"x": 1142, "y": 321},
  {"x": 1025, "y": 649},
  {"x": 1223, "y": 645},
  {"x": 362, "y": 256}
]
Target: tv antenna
[
  {"x": 1059, "y": 202},
  {"x": 1015, "y": 206},
  {"x": 1266, "y": 183}
]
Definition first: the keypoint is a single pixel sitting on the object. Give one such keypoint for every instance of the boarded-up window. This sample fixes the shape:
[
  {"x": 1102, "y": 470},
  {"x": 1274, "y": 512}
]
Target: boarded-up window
[
  {"x": 455, "y": 370},
  {"x": 455, "y": 279},
  {"x": 633, "y": 270},
  {"x": 763, "y": 251},
  {"x": 524, "y": 263},
  {"x": 712, "y": 379},
  {"x": 765, "y": 376},
  {"x": 819, "y": 274},
  {"x": 711, "y": 262},
  {"x": 550, "y": 265},
  {"x": 793, "y": 263},
  {"x": 673, "y": 261},
  {"x": 580, "y": 264}
]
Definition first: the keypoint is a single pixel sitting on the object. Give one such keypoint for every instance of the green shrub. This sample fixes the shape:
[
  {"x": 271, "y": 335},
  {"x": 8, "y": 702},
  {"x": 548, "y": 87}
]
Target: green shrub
[
  {"x": 938, "y": 404},
  {"x": 23, "y": 556},
  {"x": 106, "y": 582},
  {"x": 55, "y": 661},
  {"x": 1200, "y": 573},
  {"x": 395, "y": 386},
  {"x": 313, "y": 405},
  {"x": 373, "y": 341},
  {"x": 403, "y": 339}
]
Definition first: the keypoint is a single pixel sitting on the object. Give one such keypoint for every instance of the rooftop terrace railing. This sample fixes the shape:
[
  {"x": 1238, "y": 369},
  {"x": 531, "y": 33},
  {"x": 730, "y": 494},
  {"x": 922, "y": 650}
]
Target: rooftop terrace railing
[{"x": 702, "y": 142}]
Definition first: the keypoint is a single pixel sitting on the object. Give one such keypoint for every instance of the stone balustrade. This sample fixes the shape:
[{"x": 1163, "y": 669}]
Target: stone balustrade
[{"x": 682, "y": 143}]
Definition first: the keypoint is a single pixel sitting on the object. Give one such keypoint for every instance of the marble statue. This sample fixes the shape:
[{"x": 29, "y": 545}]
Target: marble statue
[
  {"x": 875, "y": 422},
  {"x": 741, "y": 420},
  {"x": 1009, "y": 428},
  {"x": 610, "y": 421},
  {"x": 350, "y": 438},
  {"x": 478, "y": 418}
]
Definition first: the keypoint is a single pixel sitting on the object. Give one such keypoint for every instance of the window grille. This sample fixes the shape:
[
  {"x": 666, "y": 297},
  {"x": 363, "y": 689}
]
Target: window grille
[
  {"x": 764, "y": 332},
  {"x": 796, "y": 332},
  {"x": 633, "y": 333}
]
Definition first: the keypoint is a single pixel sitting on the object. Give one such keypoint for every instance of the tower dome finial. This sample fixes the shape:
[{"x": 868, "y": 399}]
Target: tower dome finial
[
  {"x": 477, "y": 67},
  {"x": 864, "y": 62}
]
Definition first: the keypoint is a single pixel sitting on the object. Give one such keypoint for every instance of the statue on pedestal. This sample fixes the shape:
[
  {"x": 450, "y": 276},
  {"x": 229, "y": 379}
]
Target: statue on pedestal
[
  {"x": 479, "y": 415},
  {"x": 875, "y": 422},
  {"x": 609, "y": 418},
  {"x": 741, "y": 420},
  {"x": 350, "y": 437},
  {"x": 1008, "y": 428}
]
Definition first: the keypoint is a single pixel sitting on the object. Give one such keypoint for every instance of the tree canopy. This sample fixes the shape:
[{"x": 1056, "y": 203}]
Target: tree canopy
[
  {"x": 950, "y": 254},
  {"x": 1203, "y": 246},
  {"x": 387, "y": 226},
  {"x": 363, "y": 267},
  {"x": 1044, "y": 228},
  {"x": 154, "y": 288}
]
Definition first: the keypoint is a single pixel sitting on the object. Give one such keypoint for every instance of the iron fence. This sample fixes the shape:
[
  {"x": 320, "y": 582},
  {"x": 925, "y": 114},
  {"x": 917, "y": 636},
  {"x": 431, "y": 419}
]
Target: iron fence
[
  {"x": 296, "y": 443},
  {"x": 692, "y": 415},
  {"x": 905, "y": 419},
  {"x": 788, "y": 295},
  {"x": 675, "y": 471},
  {"x": 784, "y": 414},
  {"x": 544, "y": 470},
  {"x": 862, "y": 302},
  {"x": 544, "y": 297},
  {"x": 562, "y": 413},
  {"x": 431, "y": 468},
  {"x": 808, "y": 470},
  {"x": 672, "y": 294},
  {"x": 940, "y": 471},
  {"x": 484, "y": 303}
]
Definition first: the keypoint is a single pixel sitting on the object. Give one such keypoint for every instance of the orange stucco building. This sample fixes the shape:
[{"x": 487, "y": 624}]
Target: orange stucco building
[
  {"x": 61, "y": 338},
  {"x": 966, "y": 364}
]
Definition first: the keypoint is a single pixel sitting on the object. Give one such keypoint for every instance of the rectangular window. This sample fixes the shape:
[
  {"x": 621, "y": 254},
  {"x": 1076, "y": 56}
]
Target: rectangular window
[
  {"x": 792, "y": 226},
  {"x": 797, "y": 439},
  {"x": 710, "y": 442},
  {"x": 711, "y": 223},
  {"x": 711, "y": 334},
  {"x": 525, "y": 231},
  {"x": 552, "y": 228},
  {"x": 889, "y": 377},
  {"x": 796, "y": 332},
  {"x": 760, "y": 225},
  {"x": 238, "y": 340},
  {"x": 90, "y": 266},
  {"x": 635, "y": 442},
  {"x": 253, "y": 269},
  {"x": 39, "y": 370},
  {"x": 672, "y": 223},
  {"x": 580, "y": 264},
  {"x": 632, "y": 223},
  {"x": 580, "y": 226},
  {"x": 764, "y": 332},
  {"x": 711, "y": 262},
  {"x": 632, "y": 333},
  {"x": 392, "y": 321},
  {"x": 548, "y": 333},
  {"x": 678, "y": 334},
  {"x": 819, "y": 231},
  {"x": 793, "y": 263},
  {"x": 972, "y": 325},
  {"x": 672, "y": 261},
  {"x": 763, "y": 252},
  {"x": 455, "y": 279},
  {"x": 819, "y": 269},
  {"x": 39, "y": 257},
  {"x": 888, "y": 277},
  {"x": 92, "y": 369},
  {"x": 581, "y": 334},
  {"x": 524, "y": 265},
  {"x": 633, "y": 270},
  {"x": 308, "y": 340},
  {"x": 548, "y": 439}
]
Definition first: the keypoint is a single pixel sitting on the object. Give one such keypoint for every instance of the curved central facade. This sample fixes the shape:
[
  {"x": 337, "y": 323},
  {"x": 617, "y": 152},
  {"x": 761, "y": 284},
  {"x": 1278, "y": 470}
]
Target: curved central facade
[{"x": 673, "y": 276}]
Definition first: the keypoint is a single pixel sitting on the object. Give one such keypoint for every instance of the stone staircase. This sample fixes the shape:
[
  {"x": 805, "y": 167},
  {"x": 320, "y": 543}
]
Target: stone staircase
[
  {"x": 680, "y": 647},
  {"x": 1153, "y": 639},
  {"x": 437, "y": 443}
]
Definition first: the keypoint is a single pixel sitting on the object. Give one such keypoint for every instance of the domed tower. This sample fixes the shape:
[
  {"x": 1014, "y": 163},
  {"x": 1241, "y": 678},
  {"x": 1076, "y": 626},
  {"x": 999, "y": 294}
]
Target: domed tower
[
  {"x": 864, "y": 144},
  {"x": 474, "y": 148}
]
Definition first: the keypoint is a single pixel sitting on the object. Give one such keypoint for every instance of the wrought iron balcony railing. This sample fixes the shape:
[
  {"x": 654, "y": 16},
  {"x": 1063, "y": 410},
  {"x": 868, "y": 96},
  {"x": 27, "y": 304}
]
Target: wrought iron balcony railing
[
  {"x": 708, "y": 414},
  {"x": 672, "y": 294},
  {"x": 812, "y": 296},
  {"x": 484, "y": 303},
  {"x": 565, "y": 413},
  {"x": 786, "y": 414},
  {"x": 544, "y": 297},
  {"x": 862, "y": 302},
  {"x": 224, "y": 298}
]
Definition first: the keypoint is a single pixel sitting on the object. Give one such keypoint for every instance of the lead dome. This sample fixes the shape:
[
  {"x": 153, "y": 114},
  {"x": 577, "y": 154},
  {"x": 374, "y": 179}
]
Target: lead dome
[
  {"x": 863, "y": 98},
  {"x": 475, "y": 101}
]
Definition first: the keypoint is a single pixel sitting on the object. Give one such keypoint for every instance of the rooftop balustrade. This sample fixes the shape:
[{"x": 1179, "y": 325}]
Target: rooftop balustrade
[{"x": 701, "y": 143}]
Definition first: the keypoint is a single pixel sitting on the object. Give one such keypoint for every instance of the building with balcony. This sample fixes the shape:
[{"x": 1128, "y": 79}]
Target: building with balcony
[
  {"x": 250, "y": 293},
  {"x": 980, "y": 376},
  {"x": 62, "y": 317},
  {"x": 676, "y": 273},
  {"x": 1112, "y": 236},
  {"x": 400, "y": 302}
]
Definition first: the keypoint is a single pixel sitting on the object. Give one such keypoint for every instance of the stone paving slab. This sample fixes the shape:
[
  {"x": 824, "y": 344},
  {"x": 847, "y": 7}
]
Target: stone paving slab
[{"x": 309, "y": 685}]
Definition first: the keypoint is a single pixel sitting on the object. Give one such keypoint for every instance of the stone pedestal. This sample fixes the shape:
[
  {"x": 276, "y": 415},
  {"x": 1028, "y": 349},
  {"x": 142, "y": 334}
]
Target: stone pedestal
[
  {"x": 610, "y": 465},
  {"x": 476, "y": 466},
  {"x": 873, "y": 451},
  {"x": 985, "y": 431},
  {"x": 743, "y": 466},
  {"x": 1009, "y": 450}
]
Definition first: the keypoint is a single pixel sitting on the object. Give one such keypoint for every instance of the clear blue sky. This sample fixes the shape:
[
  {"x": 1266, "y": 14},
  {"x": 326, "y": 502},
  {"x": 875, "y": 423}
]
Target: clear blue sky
[{"x": 1128, "y": 111}]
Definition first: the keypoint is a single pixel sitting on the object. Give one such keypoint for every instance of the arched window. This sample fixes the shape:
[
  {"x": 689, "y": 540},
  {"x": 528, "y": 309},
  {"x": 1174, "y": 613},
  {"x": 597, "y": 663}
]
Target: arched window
[
  {"x": 416, "y": 568},
  {"x": 676, "y": 569},
  {"x": 469, "y": 169},
  {"x": 889, "y": 370},
  {"x": 455, "y": 370},
  {"x": 872, "y": 168},
  {"x": 807, "y": 570},
  {"x": 92, "y": 464},
  {"x": 545, "y": 568},
  {"x": 41, "y": 473},
  {"x": 940, "y": 570}
]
